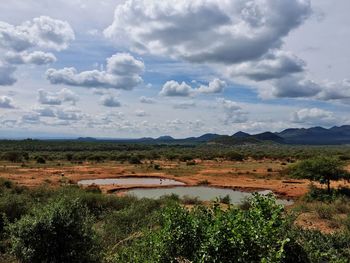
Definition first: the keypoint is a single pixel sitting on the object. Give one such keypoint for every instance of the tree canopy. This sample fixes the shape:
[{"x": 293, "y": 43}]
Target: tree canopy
[{"x": 323, "y": 169}]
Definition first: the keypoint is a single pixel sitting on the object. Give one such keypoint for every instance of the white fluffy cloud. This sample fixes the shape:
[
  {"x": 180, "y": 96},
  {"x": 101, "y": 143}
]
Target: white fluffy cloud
[
  {"x": 6, "y": 102},
  {"x": 43, "y": 32},
  {"x": 53, "y": 112},
  {"x": 273, "y": 65},
  {"x": 50, "y": 98},
  {"x": 313, "y": 116},
  {"x": 207, "y": 31},
  {"x": 335, "y": 91},
  {"x": 39, "y": 33},
  {"x": 45, "y": 111},
  {"x": 147, "y": 100},
  {"x": 123, "y": 72},
  {"x": 6, "y": 74},
  {"x": 109, "y": 100},
  {"x": 233, "y": 112},
  {"x": 215, "y": 86},
  {"x": 36, "y": 58},
  {"x": 294, "y": 87},
  {"x": 69, "y": 114},
  {"x": 173, "y": 88}
]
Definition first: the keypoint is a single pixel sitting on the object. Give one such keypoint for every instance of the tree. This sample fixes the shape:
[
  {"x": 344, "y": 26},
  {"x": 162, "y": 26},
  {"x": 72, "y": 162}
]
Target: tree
[
  {"x": 58, "y": 232},
  {"x": 322, "y": 169}
]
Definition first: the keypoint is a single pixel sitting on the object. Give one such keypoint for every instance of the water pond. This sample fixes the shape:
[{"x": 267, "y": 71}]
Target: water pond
[
  {"x": 203, "y": 193},
  {"x": 132, "y": 181}
]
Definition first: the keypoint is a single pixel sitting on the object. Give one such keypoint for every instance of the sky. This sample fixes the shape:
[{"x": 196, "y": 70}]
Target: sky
[{"x": 147, "y": 68}]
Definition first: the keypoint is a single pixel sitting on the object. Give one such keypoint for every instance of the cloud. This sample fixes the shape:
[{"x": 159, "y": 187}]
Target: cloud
[
  {"x": 36, "y": 58},
  {"x": 42, "y": 32},
  {"x": 173, "y": 88},
  {"x": 204, "y": 31},
  {"x": 233, "y": 112},
  {"x": 140, "y": 113},
  {"x": 45, "y": 111},
  {"x": 109, "y": 100},
  {"x": 69, "y": 114},
  {"x": 59, "y": 113},
  {"x": 52, "y": 98},
  {"x": 273, "y": 65},
  {"x": 31, "y": 118},
  {"x": 335, "y": 91},
  {"x": 294, "y": 87},
  {"x": 6, "y": 102},
  {"x": 6, "y": 74},
  {"x": 300, "y": 86},
  {"x": 184, "y": 105},
  {"x": 123, "y": 72},
  {"x": 314, "y": 116},
  {"x": 147, "y": 100},
  {"x": 215, "y": 86}
]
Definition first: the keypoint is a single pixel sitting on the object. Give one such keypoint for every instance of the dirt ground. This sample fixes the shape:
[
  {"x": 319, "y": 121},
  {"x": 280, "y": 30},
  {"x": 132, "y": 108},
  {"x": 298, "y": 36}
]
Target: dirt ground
[{"x": 247, "y": 175}]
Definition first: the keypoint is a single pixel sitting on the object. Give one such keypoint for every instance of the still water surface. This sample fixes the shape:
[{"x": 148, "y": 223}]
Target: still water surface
[{"x": 203, "y": 193}]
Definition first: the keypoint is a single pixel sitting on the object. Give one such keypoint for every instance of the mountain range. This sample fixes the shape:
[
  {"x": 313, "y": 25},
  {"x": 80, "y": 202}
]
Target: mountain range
[{"x": 305, "y": 136}]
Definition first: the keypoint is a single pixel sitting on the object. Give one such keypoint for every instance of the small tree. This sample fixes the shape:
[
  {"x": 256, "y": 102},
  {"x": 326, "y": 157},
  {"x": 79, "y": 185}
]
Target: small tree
[{"x": 322, "y": 169}]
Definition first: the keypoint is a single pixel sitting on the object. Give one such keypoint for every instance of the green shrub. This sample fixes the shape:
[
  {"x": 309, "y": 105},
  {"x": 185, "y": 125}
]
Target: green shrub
[
  {"x": 203, "y": 182},
  {"x": 324, "y": 211},
  {"x": 58, "y": 232},
  {"x": 213, "y": 235},
  {"x": 191, "y": 163},
  {"x": 234, "y": 156},
  {"x": 134, "y": 160},
  {"x": 321, "y": 247},
  {"x": 225, "y": 199},
  {"x": 40, "y": 160},
  {"x": 13, "y": 206}
]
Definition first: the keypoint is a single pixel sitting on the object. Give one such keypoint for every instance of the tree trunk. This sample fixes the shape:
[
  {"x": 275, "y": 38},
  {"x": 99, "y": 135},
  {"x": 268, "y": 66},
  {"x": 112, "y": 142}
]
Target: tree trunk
[{"x": 329, "y": 186}]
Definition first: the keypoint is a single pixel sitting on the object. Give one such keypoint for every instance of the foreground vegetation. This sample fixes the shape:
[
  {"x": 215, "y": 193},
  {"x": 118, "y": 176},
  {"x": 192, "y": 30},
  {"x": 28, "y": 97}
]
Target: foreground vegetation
[{"x": 70, "y": 224}]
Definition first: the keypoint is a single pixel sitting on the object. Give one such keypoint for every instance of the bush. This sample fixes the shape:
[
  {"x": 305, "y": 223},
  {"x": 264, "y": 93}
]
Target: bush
[
  {"x": 120, "y": 224},
  {"x": 203, "y": 182},
  {"x": 134, "y": 160},
  {"x": 40, "y": 160},
  {"x": 15, "y": 157},
  {"x": 324, "y": 211},
  {"x": 58, "y": 232},
  {"x": 191, "y": 163},
  {"x": 225, "y": 199},
  {"x": 213, "y": 235},
  {"x": 13, "y": 206},
  {"x": 234, "y": 156}
]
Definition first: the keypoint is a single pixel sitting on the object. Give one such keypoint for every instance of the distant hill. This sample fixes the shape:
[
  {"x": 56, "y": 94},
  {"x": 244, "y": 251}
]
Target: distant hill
[
  {"x": 165, "y": 138},
  {"x": 268, "y": 136},
  {"x": 206, "y": 137},
  {"x": 317, "y": 135},
  {"x": 231, "y": 140},
  {"x": 311, "y": 136},
  {"x": 87, "y": 139},
  {"x": 240, "y": 138},
  {"x": 241, "y": 134}
]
